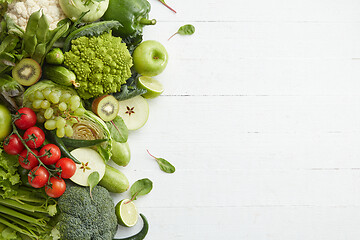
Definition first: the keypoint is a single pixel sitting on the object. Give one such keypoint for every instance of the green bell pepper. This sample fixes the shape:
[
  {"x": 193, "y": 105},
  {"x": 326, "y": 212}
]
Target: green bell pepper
[{"x": 132, "y": 14}]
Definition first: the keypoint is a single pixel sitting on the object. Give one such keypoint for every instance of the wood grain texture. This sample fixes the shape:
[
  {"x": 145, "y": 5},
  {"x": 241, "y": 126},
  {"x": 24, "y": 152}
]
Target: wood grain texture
[{"x": 260, "y": 116}]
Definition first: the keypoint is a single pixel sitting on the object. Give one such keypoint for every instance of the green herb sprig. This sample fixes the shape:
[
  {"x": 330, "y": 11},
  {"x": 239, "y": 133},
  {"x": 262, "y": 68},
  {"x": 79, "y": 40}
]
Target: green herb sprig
[
  {"x": 164, "y": 165},
  {"x": 187, "y": 29}
]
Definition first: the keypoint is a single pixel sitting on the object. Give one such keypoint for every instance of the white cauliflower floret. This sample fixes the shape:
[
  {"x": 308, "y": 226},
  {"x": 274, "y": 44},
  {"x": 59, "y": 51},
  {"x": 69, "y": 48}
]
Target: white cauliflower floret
[{"x": 20, "y": 11}]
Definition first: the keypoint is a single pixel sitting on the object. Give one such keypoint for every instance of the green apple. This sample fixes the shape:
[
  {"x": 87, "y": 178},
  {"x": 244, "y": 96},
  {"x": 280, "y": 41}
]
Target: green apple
[
  {"x": 5, "y": 122},
  {"x": 120, "y": 153},
  {"x": 150, "y": 58}
]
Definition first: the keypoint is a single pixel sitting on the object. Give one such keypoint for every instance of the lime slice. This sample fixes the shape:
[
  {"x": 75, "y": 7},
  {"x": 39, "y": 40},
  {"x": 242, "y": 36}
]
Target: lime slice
[
  {"x": 126, "y": 213},
  {"x": 154, "y": 87}
]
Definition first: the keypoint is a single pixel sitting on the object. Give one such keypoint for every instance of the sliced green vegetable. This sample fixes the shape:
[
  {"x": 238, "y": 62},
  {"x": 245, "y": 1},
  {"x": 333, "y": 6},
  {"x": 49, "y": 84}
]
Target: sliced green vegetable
[
  {"x": 77, "y": 143},
  {"x": 140, "y": 235}
]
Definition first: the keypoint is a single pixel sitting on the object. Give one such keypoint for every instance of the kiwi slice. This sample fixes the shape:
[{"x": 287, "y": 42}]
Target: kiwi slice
[
  {"x": 27, "y": 72},
  {"x": 106, "y": 107}
]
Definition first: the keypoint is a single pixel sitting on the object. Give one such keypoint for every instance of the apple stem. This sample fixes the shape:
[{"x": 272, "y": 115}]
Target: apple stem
[
  {"x": 145, "y": 21},
  {"x": 172, "y": 35},
  {"x": 167, "y": 6}
]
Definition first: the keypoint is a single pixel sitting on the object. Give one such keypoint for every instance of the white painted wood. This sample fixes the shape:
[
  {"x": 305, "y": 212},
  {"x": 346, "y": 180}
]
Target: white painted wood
[{"x": 261, "y": 118}]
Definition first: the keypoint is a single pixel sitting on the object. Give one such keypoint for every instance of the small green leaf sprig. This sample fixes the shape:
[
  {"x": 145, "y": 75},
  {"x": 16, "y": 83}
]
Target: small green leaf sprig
[
  {"x": 164, "y": 165},
  {"x": 93, "y": 180},
  {"x": 187, "y": 29}
]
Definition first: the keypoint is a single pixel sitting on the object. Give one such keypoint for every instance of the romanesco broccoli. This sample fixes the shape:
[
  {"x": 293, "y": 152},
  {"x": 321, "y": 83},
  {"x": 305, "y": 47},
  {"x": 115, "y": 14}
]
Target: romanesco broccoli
[{"x": 101, "y": 64}]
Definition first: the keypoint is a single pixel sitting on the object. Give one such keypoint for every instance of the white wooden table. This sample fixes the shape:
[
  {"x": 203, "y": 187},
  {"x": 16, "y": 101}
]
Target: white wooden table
[{"x": 260, "y": 116}]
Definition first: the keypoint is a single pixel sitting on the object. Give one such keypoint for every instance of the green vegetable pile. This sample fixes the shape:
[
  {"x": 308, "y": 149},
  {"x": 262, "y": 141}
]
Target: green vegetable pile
[
  {"x": 24, "y": 212},
  {"x": 75, "y": 92}
]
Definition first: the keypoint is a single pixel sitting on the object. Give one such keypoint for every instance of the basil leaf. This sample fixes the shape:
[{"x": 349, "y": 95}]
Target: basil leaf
[
  {"x": 165, "y": 166},
  {"x": 187, "y": 29},
  {"x": 118, "y": 129},
  {"x": 93, "y": 180},
  {"x": 141, "y": 187}
]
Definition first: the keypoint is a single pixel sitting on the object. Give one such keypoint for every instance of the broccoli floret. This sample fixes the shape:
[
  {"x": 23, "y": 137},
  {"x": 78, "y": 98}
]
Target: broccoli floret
[
  {"x": 86, "y": 218},
  {"x": 101, "y": 64}
]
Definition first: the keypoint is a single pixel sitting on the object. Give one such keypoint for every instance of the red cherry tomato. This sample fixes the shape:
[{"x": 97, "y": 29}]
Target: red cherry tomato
[
  {"x": 67, "y": 166},
  {"x": 38, "y": 177},
  {"x": 53, "y": 152},
  {"x": 31, "y": 161},
  {"x": 34, "y": 137},
  {"x": 56, "y": 188},
  {"x": 27, "y": 118},
  {"x": 13, "y": 144}
]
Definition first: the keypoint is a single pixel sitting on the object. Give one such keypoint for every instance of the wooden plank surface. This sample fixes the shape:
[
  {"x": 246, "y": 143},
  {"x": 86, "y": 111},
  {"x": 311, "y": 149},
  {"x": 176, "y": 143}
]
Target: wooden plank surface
[{"x": 260, "y": 116}]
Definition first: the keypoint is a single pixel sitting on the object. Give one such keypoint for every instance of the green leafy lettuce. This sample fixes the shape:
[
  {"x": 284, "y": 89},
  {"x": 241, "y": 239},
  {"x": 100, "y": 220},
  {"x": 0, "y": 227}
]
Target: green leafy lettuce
[{"x": 9, "y": 177}]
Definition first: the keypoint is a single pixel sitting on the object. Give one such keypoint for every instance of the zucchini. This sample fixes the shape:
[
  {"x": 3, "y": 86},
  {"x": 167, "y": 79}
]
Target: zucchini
[
  {"x": 94, "y": 29},
  {"x": 140, "y": 235},
  {"x": 114, "y": 180},
  {"x": 60, "y": 75},
  {"x": 58, "y": 142},
  {"x": 76, "y": 143}
]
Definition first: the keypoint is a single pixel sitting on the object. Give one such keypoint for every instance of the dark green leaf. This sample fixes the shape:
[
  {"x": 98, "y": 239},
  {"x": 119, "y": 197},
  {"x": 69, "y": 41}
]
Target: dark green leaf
[
  {"x": 118, "y": 129},
  {"x": 93, "y": 180},
  {"x": 165, "y": 166},
  {"x": 141, "y": 187},
  {"x": 187, "y": 29}
]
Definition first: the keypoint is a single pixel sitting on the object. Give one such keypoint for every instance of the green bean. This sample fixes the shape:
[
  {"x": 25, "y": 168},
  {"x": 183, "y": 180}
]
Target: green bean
[
  {"x": 40, "y": 52},
  {"x": 43, "y": 29},
  {"x": 29, "y": 44}
]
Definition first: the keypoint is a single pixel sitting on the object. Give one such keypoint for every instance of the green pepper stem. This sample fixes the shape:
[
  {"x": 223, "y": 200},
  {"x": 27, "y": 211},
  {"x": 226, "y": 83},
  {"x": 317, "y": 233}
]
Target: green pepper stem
[{"x": 145, "y": 21}]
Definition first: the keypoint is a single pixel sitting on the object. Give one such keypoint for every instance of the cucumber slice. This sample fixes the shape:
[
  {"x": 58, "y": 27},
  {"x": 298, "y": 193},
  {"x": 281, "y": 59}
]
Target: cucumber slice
[
  {"x": 91, "y": 161},
  {"x": 134, "y": 112}
]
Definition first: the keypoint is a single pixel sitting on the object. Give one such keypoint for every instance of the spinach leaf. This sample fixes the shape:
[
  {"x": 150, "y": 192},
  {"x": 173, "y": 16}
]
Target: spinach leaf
[
  {"x": 118, "y": 129},
  {"x": 164, "y": 165},
  {"x": 141, "y": 187},
  {"x": 187, "y": 29},
  {"x": 93, "y": 180}
]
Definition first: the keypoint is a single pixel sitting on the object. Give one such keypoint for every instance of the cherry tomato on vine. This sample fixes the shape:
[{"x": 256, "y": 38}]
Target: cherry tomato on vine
[
  {"x": 68, "y": 167},
  {"x": 13, "y": 145},
  {"x": 30, "y": 161},
  {"x": 53, "y": 152},
  {"x": 57, "y": 187},
  {"x": 34, "y": 137},
  {"x": 27, "y": 118},
  {"x": 38, "y": 177}
]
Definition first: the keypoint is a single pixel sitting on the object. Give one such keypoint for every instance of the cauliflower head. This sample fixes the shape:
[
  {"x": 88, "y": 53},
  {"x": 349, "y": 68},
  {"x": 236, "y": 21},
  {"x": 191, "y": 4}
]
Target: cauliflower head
[{"x": 101, "y": 64}]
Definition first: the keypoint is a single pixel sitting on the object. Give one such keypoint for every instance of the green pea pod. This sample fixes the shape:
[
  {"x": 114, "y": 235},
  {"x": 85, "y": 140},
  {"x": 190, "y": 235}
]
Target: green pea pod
[
  {"x": 29, "y": 43},
  {"x": 43, "y": 29},
  {"x": 40, "y": 52},
  {"x": 56, "y": 34}
]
